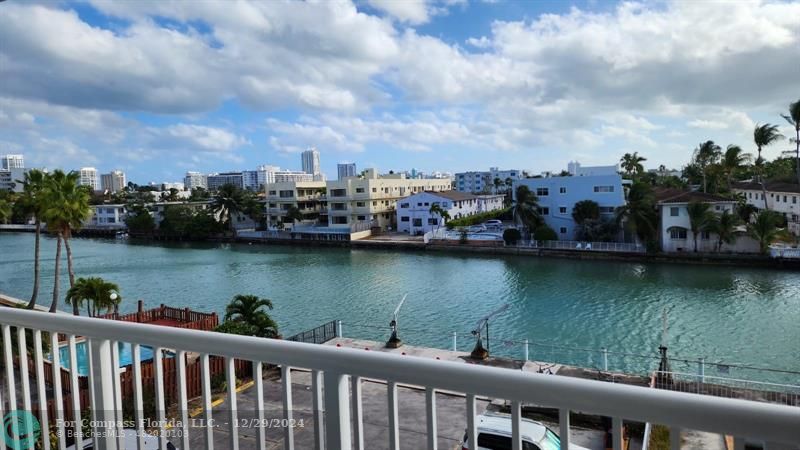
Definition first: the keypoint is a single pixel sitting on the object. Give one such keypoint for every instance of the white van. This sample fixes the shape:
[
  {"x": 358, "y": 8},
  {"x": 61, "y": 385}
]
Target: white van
[{"x": 494, "y": 433}]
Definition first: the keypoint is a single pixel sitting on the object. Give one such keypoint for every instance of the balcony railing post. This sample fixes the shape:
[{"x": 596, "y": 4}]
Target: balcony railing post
[
  {"x": 103, "y": 387},
  {"x": 605, "y": 360},
  {"x": 455, "y": 341},
  {"x": 337, "y": 411},
  {"x": 526, "y": 350}
]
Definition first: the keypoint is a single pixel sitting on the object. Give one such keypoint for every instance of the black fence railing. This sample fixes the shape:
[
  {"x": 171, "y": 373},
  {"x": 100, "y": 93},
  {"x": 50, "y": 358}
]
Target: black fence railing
[{"x": 318, "y": 335}]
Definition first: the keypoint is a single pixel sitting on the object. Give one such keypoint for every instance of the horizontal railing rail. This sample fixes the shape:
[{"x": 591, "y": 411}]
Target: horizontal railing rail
[{"x": 338, "y": 367}]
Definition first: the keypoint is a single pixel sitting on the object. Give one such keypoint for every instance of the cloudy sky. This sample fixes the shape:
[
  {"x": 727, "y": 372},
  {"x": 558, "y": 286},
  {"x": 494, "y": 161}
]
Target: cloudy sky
[{"x": 157, "y": 88}]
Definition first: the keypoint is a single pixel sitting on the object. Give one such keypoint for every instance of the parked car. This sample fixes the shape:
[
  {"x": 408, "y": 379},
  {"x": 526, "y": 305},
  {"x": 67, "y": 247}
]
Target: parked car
[
  {"x": 494, "y": 433},
  {"x": 476, "y": 228},
  {"x": 494, "y": 223}
]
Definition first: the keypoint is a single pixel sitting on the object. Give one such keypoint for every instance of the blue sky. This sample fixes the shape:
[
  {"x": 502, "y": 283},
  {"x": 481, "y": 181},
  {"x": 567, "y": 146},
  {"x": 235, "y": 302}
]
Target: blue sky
[{"x": 159, "y": 88}]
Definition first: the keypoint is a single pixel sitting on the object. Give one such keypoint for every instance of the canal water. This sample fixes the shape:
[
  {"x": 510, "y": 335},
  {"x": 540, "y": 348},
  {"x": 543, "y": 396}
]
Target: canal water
[{"x": 566, "y": 309}]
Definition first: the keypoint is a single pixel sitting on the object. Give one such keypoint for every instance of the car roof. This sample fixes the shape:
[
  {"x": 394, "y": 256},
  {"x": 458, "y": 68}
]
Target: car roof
[{"x": 501, "y": 424}]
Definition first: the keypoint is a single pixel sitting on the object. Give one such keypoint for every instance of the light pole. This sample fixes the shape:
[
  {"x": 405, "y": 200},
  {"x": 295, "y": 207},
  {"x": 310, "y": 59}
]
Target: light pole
[
  {"x": 479, "y": 352},
  {"x": 394, "y": 341}
]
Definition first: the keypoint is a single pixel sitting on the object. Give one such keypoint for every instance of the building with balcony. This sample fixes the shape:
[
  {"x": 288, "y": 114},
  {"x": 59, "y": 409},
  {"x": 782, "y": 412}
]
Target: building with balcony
[
  {"x": 483, "y": 182},
  {"x": 88, "y": 177},
  {"x": 217, "y": 180},
  {"x": 373, "y": 198},
  {"x": 194, "y": 180},
  {"x": 783, "y": 198},
  {"x": 558, "y": 196},
  {"x": 107, "y": 216},
  {"x": 8, "y": 162},
  {"x": 307, "y": 196},
  {"x": 414, "y": 212},
  {"x": 113, "y": 181}
]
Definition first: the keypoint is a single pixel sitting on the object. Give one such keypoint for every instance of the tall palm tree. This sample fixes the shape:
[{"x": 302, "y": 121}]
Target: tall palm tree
[
  {"x": 632, "y": 163},
  {"x": 437, "y": 210},
  {"x": 700, "y": 218},
  {"x": 525, "y": 208},
  {"x": 498, "y": 183},
  {"x": 794, "y": 119},
  {"x": 67, "y": 207},
  {"x": 764, "y": 229},
  {"x": 733, "y": 160},
  {"x": 98, "y": 295},
  {"x": 33, "y": 205},
  {"x": 724, "y": 226},
  {"x": 764, "y": 135},
  {"x": 248, "y": 310},
  {"x": 639, "y": 213},
  {"x": 228, "y": 202},
  {"x": 705, "y": 155}
]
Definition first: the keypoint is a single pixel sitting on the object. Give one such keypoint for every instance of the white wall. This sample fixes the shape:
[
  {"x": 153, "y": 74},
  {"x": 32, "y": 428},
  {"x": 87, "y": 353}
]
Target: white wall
[
  {"x": 707, "y": 244},
  {"x": 417, "y": 207}
]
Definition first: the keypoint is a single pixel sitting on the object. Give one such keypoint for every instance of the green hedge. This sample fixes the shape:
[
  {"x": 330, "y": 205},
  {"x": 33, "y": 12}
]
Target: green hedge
[{"x": 478, "y": 218}]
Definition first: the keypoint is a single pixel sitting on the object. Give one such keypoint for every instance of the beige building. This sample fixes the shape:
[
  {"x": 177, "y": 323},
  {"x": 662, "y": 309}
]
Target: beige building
[
  {"x": 307, "y": 196},
  {"x": 373, "y": 198}
]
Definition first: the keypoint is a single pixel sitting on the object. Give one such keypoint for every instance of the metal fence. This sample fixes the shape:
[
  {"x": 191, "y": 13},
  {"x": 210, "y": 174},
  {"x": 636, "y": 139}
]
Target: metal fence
[
  {"x": 590, "y": 246},
  {"x": 318, "y": 335},
  {"x": 788, "y": 253},
  {"x": 784, "y": 394}
]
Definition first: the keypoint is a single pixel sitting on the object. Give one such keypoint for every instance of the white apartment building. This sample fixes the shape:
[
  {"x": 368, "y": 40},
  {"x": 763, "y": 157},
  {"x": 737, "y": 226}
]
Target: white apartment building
[
  {"x": 781, "y": 197},
  {"x": 676, "y": 229},
  {"x": 576, "y": 170},
  {"x": 113, "y": 181},
  {"x": 109, "y": 216},
  {"x": 414, "y": 212},
  {"x": 8, "y": 162},
  {"x": 88, "y": 177},
  {"x": 310, "y": 161},
  {"x": 373, "y": 198},
  {"x": 8, "y": 179},
  {"x": 307, "y": 196},
  {"x": 195, "y": 180},
  {"x": 292, "y": 176},
  {"x": 477, "y": 182}
]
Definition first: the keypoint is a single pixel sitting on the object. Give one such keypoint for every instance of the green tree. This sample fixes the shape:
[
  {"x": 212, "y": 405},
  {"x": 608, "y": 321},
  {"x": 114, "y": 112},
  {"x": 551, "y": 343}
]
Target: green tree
[
  {"x": 732, "y": 162},
  {"x": 199, "y": 194},
  {"x": 763, "y": 136},
  {"x": 700, "y": 218},
  {"x": 639, "y": 216},
  {"x": 294, "y": 214},
  {"x": 511, "y": 236},
  {"x": 764, "y": 229},
  {"x": 525, "y": 209},
  {"x": 246, "y": 314},
  {"x": 67, "y": 207},
  {"x": 203, "y": 225},
  {"x": 228, "y": 202},
  {"x": 6, "y": 207},
  {"x": 632, "y": 164},
  {"x": 176, "y": 221},
  {"x": 544, "y": 233},
  {"x": 140, "y": 221},
  {"x": 498, "y": 183},
  {"x": 585, "y": 210},
  {"x": 705, "y": 155},
  {"x": 33, "y": 205},
  {"x": 794, "y": 120},
  {"x": 97, "y": 294},
  {"x": 437, "y": 210},
  {"x": 170, "y": 196},
  {"x": 724, "y": 226}
]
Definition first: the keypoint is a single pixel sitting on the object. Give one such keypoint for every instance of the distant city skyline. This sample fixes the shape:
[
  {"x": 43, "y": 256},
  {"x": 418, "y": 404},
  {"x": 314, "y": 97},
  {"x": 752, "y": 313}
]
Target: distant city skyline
[{"x": 434, "y": 85}]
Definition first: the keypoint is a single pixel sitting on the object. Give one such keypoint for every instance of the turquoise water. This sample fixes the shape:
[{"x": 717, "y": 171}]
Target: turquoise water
[
  {"x": 82, "y": 356},
  {"x": 729, "y": 315}
]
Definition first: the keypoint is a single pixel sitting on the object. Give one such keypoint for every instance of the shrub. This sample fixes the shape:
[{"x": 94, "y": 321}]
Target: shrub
[
  {"x": 477, "y": 218},
  {"x": 545, "y": 233},
  {"x": 511, "y": 236}
]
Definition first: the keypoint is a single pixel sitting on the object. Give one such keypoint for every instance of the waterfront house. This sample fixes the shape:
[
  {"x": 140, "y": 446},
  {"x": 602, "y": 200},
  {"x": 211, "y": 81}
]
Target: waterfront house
[
  {"x": 414, "y": 212},
  {"x": 107, "y": 216},
  {"x": 307, "y": 196},
  {"x": 781, "y": 197},
  {"x": 558, "y": 196},
  {"x": 675, "y": 230},
  {"x": 372, "y": 198}
]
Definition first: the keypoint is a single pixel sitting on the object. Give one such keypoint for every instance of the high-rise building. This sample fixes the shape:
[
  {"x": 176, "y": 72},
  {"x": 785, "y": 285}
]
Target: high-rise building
[
  {"x": 346, "y": 170},
  {"x": 88, "y": 177},
  {"x": 9, "y": 162},
  {"x": 310, "y": 159},
  {"x": 195, "y": 180},
  {"x": 217, "y": 180},
  {"x": 113, "y": 181}
]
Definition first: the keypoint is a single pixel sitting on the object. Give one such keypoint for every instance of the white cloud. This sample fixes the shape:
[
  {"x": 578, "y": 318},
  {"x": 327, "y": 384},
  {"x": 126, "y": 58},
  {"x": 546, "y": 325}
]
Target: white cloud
[{"x": 412, "y": 11}]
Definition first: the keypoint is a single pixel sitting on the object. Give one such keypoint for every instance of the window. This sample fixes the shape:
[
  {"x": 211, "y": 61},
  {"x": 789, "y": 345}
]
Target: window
[
  {"x": 447, "y": 205},
  {"x": 287, "y": 194},
  {"x": 603, "y": 189},
  {"x": 404, "y": 219},
  {"x": 340, "y": 220},
  {"x": 677, "y": 233},
  {"x": 606, "y": 210},
  {"x": 374, "y": 203},
  {"x": 404, "y": 205},
  {"x": 784, "y": 199},
  {"x": 361, "y": 204},
  {"x": 544, "y": 211},
  {"x": 542, "y": 192},
  {"x": 717, "y": 207},
  {"x": 562, "y": 209},
  {"x": 374, "y": 189},
  {"x": 417, "y": 222},
  {"x": 794, "y": 199},
  {"x": 272, "y": 193},
  {"x": 359, "y": 190},
  {"x": 674, "y": 211},
  {"x": 562, "y": 190},
  {"x": 563, "y": 230},
  {"x": 433, "y": 221},
  {"x": 427, "y": 204},
  {"x": 705, "y": 235},
  {"x": 496, "y": 442},
  {"x": 361, "y": 217},
  {"x": 338, "y": 192}
]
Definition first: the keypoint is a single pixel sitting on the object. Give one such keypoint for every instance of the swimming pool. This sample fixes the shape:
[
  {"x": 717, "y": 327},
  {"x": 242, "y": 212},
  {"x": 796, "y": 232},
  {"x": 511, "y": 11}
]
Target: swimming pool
[{"x": 82, "y": 355}]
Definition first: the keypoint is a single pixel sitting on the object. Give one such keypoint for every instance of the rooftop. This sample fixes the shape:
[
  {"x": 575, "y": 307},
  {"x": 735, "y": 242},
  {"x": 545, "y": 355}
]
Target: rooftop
[
  {"x": 455, "y": 196},
  {"x": 774, "y": 186},
  {"x": 670, "y": 195}
]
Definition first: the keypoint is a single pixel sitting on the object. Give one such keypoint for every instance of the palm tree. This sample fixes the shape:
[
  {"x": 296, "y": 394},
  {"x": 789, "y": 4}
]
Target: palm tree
[
  {"x": 228, "y": 202},
  {"x": 5, "y": 210},
  {"x": 724, "y": 226},
  {"x": 632, "y": 163},
  {"x": 33, "y": 205},
  {"x": 247, "y": 310},
  {"x": 733, "y": 160},
  {"x": 794, "y": 119},
  {"x": 96, "y": 293},
  {"x": 509, "y": 183},
  {"x": 294, "y": 214},
  {"x": 706, "y": 154},
  {"x": 498, "y": 183},
  {"x": 764, "y": 135},
  {"x": 525, "y": 208},
  {"x": 67, "y": 207},
  {"x": 700, "y": 218},
  {"x": 764, "y": 229},
  {"x": 639, "y": 213}
]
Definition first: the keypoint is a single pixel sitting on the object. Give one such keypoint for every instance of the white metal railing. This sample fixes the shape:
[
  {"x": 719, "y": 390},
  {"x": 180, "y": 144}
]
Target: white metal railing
[
  {"x": 592, "y": 246},
  {"x": 788, "y": 253},
  {"x": 335, "y": 370}
]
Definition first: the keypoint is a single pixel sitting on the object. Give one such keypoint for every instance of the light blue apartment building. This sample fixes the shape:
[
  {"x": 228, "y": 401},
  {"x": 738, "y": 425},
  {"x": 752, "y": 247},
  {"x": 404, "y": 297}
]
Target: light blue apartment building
[{"x": 558, "y": 196}]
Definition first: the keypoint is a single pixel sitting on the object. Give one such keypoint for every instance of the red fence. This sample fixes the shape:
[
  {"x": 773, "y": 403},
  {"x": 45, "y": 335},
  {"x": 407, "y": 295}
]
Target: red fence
[{"x": 178, "y": 318}]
